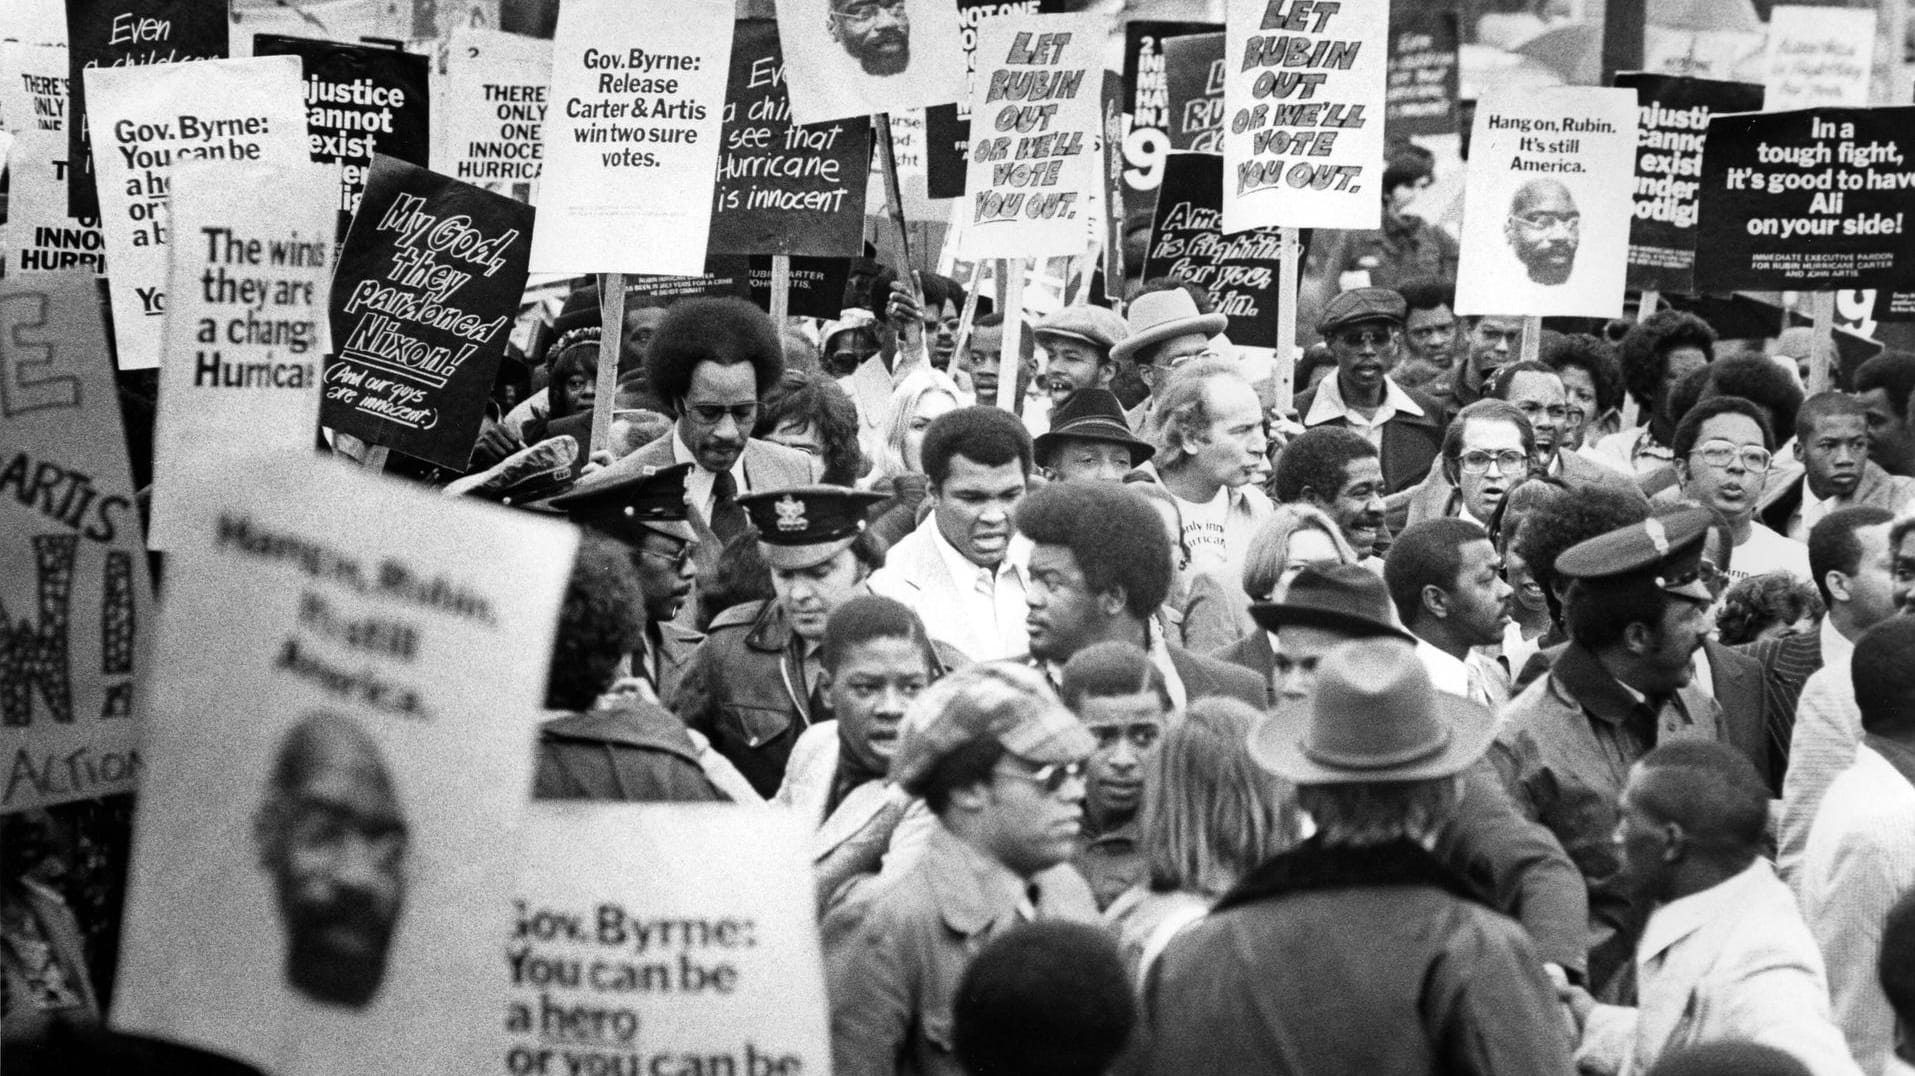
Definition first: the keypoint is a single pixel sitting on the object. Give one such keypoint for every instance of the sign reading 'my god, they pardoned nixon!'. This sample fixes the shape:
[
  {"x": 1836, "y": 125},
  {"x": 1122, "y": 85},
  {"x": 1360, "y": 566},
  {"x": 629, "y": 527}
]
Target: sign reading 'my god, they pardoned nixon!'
[
  {"x": 1813, "y": 200},
  {"x": 1303, "y": 113},
  {"x": 632, "y": 136}
]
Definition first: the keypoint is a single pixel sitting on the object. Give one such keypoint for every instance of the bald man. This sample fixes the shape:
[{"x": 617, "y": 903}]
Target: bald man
[
  {"x": 331, "y": 834},
  {"x": 1544, "y": 229}
]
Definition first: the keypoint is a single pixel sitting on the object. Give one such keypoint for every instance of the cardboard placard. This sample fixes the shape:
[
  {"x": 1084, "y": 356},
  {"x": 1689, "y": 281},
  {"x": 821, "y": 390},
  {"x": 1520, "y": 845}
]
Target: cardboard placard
[
  {"x": 784, "y": 189},
  {"x": 1037, "y": 93},
  {"x": 74, "y": 594},
  {"x": 147, "y": 118},
  {"x": 360, "y": 100},
  {"x": 1673, "y": 120},
  {"x": 1187, "y": 241},
  {"x": 245, "y": 324},
  {"x": 1194, "y": 69},
  {"x": 1146, "y": 96},
  {"x": 494, "y": 119},
  {"x": 428, "y": 286},
  {"x": 127, "y": 33},
  {"x": 338, "y": 732},
  {"x": 1425, "y": 73},
  {"x": 39, "y": 236},
  {"x": 1808, "y": 201},
  {"x": 649, "y": 936},
  {"x": 1818, "y": 57},
  {"x": 1547, "y": 205},
  {"x": 847, "y": 58},
  {"x": 34, "y": 87},
  {"x": 632, "y": 138},
  {"x": 1304, "y": 114},
  {"x": 947, "y": 128}
]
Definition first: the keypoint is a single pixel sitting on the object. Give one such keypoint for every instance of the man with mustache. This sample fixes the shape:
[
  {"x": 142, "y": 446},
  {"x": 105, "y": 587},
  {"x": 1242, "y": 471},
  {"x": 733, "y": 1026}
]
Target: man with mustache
[
  {"x": 1445, "y": 580},
  {"x": 332, "y": 835},
  {"x": 877, "y": 33},
  {"x": 1723, "y": 449},
  {"x": 1539, "y": 392},
  {"x": 1363, "y": 328},
  {"x": 1337, "y": 470},
  {"x": 1077, "y": 342},
  {"x": 1544, "y": 229}
]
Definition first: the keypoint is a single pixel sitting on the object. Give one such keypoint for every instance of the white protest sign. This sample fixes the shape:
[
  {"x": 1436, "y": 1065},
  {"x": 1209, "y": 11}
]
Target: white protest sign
[
  {"x": 340, "y": 733},
  {"x": 74, "y": 597},
  {"x": 38, "y": 236},
  {"x": 631, "y": 136},
  {"x": 1035, "y": 123},
  {"x": 847, "y": 58},
  {"x": 33, "y": 87},
  {"x": 494, "y": 110},
  {"x": 245, "y": 323},
  {"x": 1303, "y": 113},
  {"x": 662, "y": 938},
  {"x": 1818, "y": 57},
  {"x": 144, "y": 119},
  {"x": 1548, "y": 202}
]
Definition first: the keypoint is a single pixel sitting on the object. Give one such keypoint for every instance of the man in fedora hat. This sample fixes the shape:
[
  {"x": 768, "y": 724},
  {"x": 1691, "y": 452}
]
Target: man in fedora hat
[
  {"x": 1360, "y": 909},
  {"x": 1166, "y": 330},
  {"x": 1363, "y": 328},
  {"x": 1515, "y": 862},
  {"x": 1089, "y": 439},
  {"x": 1077, "y": 341}
]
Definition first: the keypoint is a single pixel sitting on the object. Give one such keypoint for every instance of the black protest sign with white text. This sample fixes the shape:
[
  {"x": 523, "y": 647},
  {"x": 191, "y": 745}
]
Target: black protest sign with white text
[
  {"x": 1187, "y": 242},
  {"x": 1674, "y": 116},
  {"x": 1420, "y": 98},
  {"x": 1194, "y": 79}
]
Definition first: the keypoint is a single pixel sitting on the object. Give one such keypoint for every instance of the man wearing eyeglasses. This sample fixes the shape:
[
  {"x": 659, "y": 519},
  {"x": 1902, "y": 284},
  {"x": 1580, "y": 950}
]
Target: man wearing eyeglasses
[
  {"x": 1722, "y": 452},
  {"x": 877, "y": 33},
  {"x": 1544, "y": 229},
  {"x": 1487, "y": 449},
  {"x": 1000, "y": 762},
  {"x": 1166, "y": 330},
  {"x": 1362, "y": 327}
]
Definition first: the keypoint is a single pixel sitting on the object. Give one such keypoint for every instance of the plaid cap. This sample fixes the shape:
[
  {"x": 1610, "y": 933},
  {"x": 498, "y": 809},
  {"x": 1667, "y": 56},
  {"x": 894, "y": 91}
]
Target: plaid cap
[
  {"x": 1012, "y": 704},
  {"x": 1362, "y": 304}
]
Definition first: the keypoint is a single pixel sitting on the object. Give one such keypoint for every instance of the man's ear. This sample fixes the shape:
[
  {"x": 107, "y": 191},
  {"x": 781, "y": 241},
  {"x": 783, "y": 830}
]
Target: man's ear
[
  {"x": 1308, "y": 495},
  {"x": 1838, "y": 584},
  {"x": 1795, "y": 448},
  {"x": 1641, "y": 638},
  {"x": 1113, "y": 601},
  {"x": 1682, "y": 472},
  {"x": 1436, "y": 602},
  {"x": 1675, "y": 842}
]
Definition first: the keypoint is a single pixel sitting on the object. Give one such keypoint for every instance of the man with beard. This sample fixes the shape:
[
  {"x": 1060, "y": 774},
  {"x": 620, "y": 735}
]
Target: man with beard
[
  {"x": 1077, "y": 342},
  {"x": 332, "y": 835},
  {"x": 1488, "y": 448},
  {"x": 1337, "y": 470},
  {"x": 1362, "y": 327},
  {"x": 877, "y": 33},
  {"x": 1544, "y": 229}
]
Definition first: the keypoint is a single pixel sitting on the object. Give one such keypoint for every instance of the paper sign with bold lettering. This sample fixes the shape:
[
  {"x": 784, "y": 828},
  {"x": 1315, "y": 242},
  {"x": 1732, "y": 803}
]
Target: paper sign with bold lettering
[
  {"x": 127, "y": 33},
  {"x": 648, "y": 937},
  {"x": 1187, "y": 242},
  {"x": 1036, "y": 110},
  {"x": 1194, "y": 69},
  {"x": 74, "y": 596},
  {"x": 428, "y": 286},
  {"x": 147, "y": 118},
  {"x": 947, "y": 128},
  {"x": 360, "y": 100},
  {"x": 39, "y": 236},
  {"x": 337, "y": 731},
  {"x": 245, "y": 323},
  {"x": 1818, "y": 57},
  {"x": 1673, "y": 119},
  {"x": 1425, "y": 69},
  {"x": 1303, "y": 123},
  {"x": 1547, "y": 207},
  {"x": 847, "y": 58},
  {"x": 494, "y": 117},
  {"x": 1146, "y": 96},
  {"x": 632, "y": 138}
]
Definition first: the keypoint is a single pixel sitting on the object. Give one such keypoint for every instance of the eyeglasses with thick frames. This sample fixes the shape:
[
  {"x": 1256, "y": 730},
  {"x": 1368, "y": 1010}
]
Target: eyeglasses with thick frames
[
  {"x": 712, "y": 414},
  {"x": 1506, "y": 462},
  {"x": 1365, "y": 337},
  {"x": 676, "y": 560},
  {"x": 1755, "y": 460},
  {"x": 865, "y": 11},
  {"x": 1051, "y": 778},
  {"x": 1546, "y": 222}
]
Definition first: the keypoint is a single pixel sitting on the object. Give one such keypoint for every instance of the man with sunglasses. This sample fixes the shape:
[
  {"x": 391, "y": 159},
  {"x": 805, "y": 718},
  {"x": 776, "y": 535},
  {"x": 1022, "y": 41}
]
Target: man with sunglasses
[
  {"x": 1723, "y": 450},
  {"x": 1000, "y": 762},
  {"x": 1544, "y": 230},
  {"x": 1362, "y": 327}
]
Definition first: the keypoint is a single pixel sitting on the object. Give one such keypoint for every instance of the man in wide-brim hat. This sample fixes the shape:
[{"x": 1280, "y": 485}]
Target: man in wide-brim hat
[
  {"x": 1361, "y": 909},
  {"x": 1089, "y": 439}
]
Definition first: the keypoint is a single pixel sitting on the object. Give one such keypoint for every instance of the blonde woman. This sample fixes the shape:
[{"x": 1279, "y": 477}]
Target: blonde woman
[
  {"x": 899, "y": 471},
  {"x": 1217, "y": 617}
]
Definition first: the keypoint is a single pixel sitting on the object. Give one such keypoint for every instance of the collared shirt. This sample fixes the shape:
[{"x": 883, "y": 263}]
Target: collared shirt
[
  {"x": 1111, "y": 861},
  {"x": 1328, "y": 406},
  {"x": 1828, "y": 728},
  {"x": 993, "y": 598},
  {"x": 1466, "y": 679},
  {"x": 698, "y": 483}
]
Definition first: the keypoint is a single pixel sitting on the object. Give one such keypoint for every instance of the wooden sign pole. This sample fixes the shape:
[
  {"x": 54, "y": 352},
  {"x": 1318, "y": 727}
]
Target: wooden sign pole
[
  {"x": 780, "y": 290},
  {"x": 1822, "y": 347},
  {"x": 1532, "y": 339},
  {"x": 611, "y": 319},
  {"x": 911, "y": 340},
  {"x": 1012, "y": 357},
  {"x": 1289, "y": 252}
]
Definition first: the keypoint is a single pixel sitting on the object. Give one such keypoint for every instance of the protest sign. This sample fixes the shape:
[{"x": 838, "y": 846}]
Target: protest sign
[
  {"x": 1808, "y": 201},
  {"x": 145, "y": 119},
  {"x": 428, "y": 286},
  {"x": 784, "y": 189},
  {"x": 74, "y": 596},
  {"x": 632, "y": 140},
  {"x": 1187, "y": 242},
  {"x": 847, "y": 58},
  {"x": 360, "y": 100},
  {"x": 1037, "y": 93},
  {"x": 662, "y": 938},
  {"x": 33, "y": 88},
  {"x": 127, "y": 33},
  {"x": 1304, "y": 141},
  {"x": 816, "y": 288},
  {"x": 1424, "y": 83},
  {"x": 39, "y": 236},
  {"x": 1146, "y": 96},
  {"x": 1818, "y": 56},
  {"x": 494, "y": 115},
  {"x": 1673, "y": 116},
  {"x": 245, "y": 323},
  {"x": 1193, "y": 80},
  {"x": 1547, "y": 205},
  {"x": 947, "y": 128},
  {"x": 339, "y": 733}
]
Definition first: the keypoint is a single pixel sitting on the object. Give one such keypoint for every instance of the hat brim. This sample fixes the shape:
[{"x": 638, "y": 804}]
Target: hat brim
[
  {"x": 1207, "y": 324},
  {"x": 1070, "y": 334},
  {"x": 1275, "y": 616},
  {"x": 792, "y": 558},
  {"x": 1325, "y": 328},
  {"x": 1108, "y": 432},
  {"x": 680, "y": 529},
  {"x": 1276, "y": 744}
]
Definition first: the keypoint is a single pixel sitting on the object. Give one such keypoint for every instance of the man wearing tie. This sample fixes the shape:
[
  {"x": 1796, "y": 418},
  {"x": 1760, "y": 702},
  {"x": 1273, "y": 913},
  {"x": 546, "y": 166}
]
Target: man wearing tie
[{"x": 1446, "y": 582}]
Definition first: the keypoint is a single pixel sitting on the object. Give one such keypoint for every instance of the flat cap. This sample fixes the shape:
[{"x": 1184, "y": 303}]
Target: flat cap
[
  {"x": 649, "y": 497},
  {"x": 998, "y": 701},
  {"x": 1094, "y": 325},
  {"x": 1362, "y": 304},
  {"x": 1666, "y": 547},
  {"x": 805, "y": 525}
]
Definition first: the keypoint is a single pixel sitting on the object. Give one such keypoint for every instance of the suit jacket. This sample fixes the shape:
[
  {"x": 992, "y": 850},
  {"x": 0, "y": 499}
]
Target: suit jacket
[
  {"x": 638, "y": 754},
  {"x": 1436, "y": 496},
  {"x": 1410, "y": 442},
  {"x": 1253, "y": 652},
  {"x": 767, "y": 466},
  {"x": 915, "y": 573},
  {"x": 1877, "y": 488},
  {"x": 1204, "y": 676},
  {"x": 1740, "y": 689},
  {"x": 1787, "y": 663}
]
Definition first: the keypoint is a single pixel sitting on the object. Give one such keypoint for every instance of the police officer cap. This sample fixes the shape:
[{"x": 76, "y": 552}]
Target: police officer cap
[
  {"x": 806, "y": 525},
  {"x": 1667, "y": 546},
  {"x": 650, "y": 497}
]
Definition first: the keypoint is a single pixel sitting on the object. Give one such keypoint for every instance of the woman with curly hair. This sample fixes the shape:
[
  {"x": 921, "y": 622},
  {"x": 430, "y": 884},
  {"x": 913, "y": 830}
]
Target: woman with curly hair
[
  {"x": 812, "y": 414},
  {"x": 1768, "y": 606},
  {"x": 899, "y": 469}
]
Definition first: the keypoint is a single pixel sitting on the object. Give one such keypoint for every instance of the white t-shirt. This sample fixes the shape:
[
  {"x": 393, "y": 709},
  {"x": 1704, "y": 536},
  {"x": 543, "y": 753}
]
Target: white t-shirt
[
  {"x": 1204, "y": 533},
  {"x": 1766, "y": 551}
]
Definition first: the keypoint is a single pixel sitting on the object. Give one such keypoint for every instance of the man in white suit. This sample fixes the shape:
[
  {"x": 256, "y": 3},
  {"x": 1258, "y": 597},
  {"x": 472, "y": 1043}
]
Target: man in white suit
[{"x": 1725, "y": 954}]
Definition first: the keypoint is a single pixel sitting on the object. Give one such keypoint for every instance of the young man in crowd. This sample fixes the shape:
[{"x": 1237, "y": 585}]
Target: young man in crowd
[
  {"x": 1490, "y": 341},
  {"x": 982, "y": 355},
  {"x": 964, "y": 567},
  {"x": 1446, "y": 582},
  {"x": 1208, "y": 429},
  {"x": 1000, "y": 763},
  {"x": 1885, "y": 385},
  {"x": 1831, "y": 442},
  {"x": 1361, "y": 327},
  {"x": 1339, "y": 471},
  {"x": 1723, "y": 450},
  {"x": 1487, "y": 448},
  {"x": 1166, "y": 330},
  {"x": 1077, "y": 342},
  {"x": 1656, "y": 354},
  {"x": 1429, "y": 339},
  {"x": 1539, "y": 393},
  {"x": 1121, "y": 698},
  {"x": 1089, "y": 440}
]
